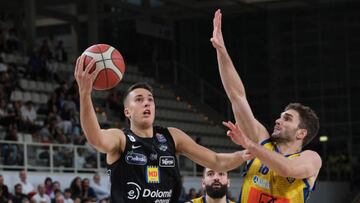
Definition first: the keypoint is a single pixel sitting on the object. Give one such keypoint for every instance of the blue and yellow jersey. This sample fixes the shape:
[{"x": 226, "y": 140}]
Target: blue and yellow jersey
[
  {"x": 203, "y": 200},
  {"x": 261, "y": 184}
]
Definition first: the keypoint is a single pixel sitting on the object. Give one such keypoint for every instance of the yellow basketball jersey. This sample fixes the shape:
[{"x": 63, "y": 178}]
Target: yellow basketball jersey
[
  {"x": 262, "y": 184},
  {"x": 203, "y": 200}
]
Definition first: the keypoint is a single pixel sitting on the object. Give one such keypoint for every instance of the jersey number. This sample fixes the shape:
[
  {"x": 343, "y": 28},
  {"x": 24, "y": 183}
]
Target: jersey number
[{"x": 263, "y": 169}]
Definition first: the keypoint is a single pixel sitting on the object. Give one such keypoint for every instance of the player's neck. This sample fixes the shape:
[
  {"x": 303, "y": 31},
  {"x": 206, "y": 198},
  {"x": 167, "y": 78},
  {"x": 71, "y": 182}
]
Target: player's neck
[
  {"x": 210, "y": 200},
  {"x": 142, "y": 132},
  {"x": 287, "y": 148}
]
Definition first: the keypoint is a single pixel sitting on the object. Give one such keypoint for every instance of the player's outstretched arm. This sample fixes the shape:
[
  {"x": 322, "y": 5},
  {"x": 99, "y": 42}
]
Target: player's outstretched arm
[
  {"x": 234, "y": 87},
  {"x": 106, "y": 141},
  {"x": 306, "y": 165},
  {"x": 205, "y": 157}
]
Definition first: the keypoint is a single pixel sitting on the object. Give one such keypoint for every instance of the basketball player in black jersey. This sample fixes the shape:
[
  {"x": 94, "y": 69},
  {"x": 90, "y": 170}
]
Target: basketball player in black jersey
[{"x": 142, "y": 159}]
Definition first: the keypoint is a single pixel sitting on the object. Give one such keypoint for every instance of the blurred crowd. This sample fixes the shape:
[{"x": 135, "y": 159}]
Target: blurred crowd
[{"x": 50, "y": 191}]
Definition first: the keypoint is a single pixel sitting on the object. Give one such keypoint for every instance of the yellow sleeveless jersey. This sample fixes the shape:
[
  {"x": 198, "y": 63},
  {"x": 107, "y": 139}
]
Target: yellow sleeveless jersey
[
  {"x": 262, "y": 184},
  {"x": 203, "y": 200}
]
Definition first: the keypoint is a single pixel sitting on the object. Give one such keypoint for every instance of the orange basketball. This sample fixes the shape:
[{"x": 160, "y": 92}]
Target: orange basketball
[{"x": 111, "y": 63}]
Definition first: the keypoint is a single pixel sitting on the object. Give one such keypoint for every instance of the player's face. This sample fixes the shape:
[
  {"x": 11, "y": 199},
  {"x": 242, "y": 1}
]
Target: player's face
[
  {"x": 286, "y": 126},
  {"x": 140, "y": 107},
  {"x": 215, "y": 183}
]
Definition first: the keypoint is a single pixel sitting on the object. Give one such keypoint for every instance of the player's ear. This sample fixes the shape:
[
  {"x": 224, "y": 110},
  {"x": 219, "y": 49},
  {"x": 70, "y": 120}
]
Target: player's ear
[
  {"x": 126, "y": 112},
  {"x": 301, "y": 134}
]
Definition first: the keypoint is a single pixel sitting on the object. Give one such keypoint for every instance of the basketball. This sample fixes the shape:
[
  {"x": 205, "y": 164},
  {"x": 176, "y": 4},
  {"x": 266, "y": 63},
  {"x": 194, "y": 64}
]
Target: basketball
[{"x": 111, "y": 63}]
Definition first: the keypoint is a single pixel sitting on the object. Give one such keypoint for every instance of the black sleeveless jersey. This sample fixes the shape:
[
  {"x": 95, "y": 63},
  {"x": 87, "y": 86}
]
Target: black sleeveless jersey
[{"x": 147, "y": 170}]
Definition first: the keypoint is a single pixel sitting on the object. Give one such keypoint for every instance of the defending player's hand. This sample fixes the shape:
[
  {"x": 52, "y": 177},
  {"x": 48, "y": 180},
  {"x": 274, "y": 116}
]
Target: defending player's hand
[
  {"x": 237, "y": 136},
  {"x": 217, "y": 38},
  {"x": 83, "y": 78},
  {"x": 246, "y": 155}
]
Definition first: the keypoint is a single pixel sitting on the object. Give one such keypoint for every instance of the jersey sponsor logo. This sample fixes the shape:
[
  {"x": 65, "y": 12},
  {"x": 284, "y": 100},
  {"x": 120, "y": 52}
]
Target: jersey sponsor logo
[
  {"x": 135, "y": 146},
  {"x": 290, "y": 179},
  {"x": 153, "y": 156},
  {"x": 131, "y": 138},
  {"x": 163, "y": 147},
  {"x": 261, "y": 182},
  {"x": 167, "y": 161},
  {"x": 152, "y": 174},
  {"x": 161, "y": 138},
  {"x": 135, "y": 158},
  {"x": 256, "y": 195},
  {"x": 135, "y": 192}
]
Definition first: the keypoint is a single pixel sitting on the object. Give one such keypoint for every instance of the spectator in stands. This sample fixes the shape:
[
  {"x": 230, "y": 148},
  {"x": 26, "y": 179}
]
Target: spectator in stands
[
  {"x": 36, "y": 65},
  {"x": 182, "y": 197},
  {"x": 27, "y": 187},
  {"x": 4, "y": 195},
  {"x": 100, "y": 190},
  {"x": 191, "y": 195},
  {"x": 66, "y": 115},
  {"x": 45, "y": 53},
  {"x": 77, "y": 200},
  {"x": 59, "y": 198},
  {"x": 12, "y": 40},
  {"x": 3, "y": 198},
  {"x": 19, "y": 196},
  {"x": 113, "y": 103},
  {"x": 29, "y": 115},
  {"x": 75, "y": 187},
  {"x": 5, "y": 117},
  {"x": 49, "y": 186},
  {"x": 56, "y": 186},
  {"x": 41, "y": 196},
  {"x": 44, "y": 133},
  {"x": 11, "y": 151},
  {"x": 67, "y": 196},
  {"x": 87, "y": 191},
  {"x": 60, "y": 53}
]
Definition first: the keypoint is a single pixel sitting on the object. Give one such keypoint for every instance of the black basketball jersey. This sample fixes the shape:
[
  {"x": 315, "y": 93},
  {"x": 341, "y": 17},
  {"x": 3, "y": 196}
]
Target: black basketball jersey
[{"x": 147, "y": 170}]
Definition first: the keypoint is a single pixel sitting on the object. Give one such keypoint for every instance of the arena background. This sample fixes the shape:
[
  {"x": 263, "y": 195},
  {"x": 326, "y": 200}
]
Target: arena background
[{"x": 285, "y": 50}]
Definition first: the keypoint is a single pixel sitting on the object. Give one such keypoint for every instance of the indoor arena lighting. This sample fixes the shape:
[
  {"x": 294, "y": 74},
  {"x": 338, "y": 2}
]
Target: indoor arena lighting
[{"x": 323, "y": 138}]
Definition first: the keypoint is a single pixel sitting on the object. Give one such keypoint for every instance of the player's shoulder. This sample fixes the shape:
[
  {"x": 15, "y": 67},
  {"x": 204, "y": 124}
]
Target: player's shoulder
[{"x": 311, "y": 154}]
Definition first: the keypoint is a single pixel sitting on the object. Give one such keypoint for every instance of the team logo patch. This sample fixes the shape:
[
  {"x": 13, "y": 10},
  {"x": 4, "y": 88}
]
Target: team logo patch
[
  {"x": 131, "y": 138},
  {"x": 167, "y": 161},
  {"x": 290, "y": 180},
  {"x": 135, "y": 158},
  {"x": 261, "y": 182},
  {"x": 163, "y": 147},
  {"x": 161, "y": 138},
  {"x": 152, "y": 174},
  {"x": 153, "y": 156}
]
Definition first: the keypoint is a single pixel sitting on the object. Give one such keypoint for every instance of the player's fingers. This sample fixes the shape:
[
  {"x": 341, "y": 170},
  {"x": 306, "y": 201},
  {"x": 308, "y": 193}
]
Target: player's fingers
[
  {"x": 219, "y": 21},
  {"x": 89, "y": 66},
  {"x": 76, "y": 72},
  {"x": 81, "y": 63},
  {"x": 96, "y": 72},
  {"x": 226, "y": 124}
]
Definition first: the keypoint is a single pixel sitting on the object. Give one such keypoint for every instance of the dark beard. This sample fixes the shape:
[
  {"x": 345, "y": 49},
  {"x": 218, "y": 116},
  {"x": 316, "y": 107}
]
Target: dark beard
[{"x": 216, "y": 193}]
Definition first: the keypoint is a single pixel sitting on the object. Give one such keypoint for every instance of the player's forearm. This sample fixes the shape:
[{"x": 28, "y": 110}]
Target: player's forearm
[
  {"x": 89, "y": 122},
  {"x": 229, "y": 77},
  {"x": 277, "y": 162},
  {"x": 229, "y": 161}
]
